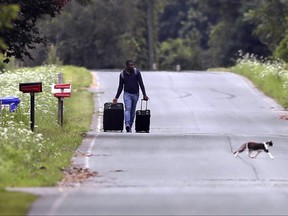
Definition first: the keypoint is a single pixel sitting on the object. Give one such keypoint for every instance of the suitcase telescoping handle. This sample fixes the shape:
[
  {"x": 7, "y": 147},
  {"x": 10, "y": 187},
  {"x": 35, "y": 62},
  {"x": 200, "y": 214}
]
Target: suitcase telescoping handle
[{"x": 142, "y": 102}]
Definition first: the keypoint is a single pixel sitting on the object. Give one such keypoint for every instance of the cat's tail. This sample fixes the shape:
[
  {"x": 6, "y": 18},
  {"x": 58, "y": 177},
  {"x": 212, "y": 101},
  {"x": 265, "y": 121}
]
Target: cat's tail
[{"x": 240, "y": 149}]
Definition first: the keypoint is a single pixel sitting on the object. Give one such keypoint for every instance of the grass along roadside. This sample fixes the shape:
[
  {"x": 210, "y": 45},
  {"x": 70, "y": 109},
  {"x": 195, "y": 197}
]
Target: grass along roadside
[
  {"x": 36, "y": 159},
  {"x": 15, "y": 203},
  {"x": 271, "y": 77}
]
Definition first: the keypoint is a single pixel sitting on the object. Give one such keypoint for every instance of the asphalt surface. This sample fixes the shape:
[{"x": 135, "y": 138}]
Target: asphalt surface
[{"x": 185, "y": 165}]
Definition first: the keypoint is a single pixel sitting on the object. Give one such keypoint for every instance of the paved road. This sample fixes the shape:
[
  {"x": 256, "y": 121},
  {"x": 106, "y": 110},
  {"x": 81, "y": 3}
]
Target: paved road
[{"x": 185, "y": 165}]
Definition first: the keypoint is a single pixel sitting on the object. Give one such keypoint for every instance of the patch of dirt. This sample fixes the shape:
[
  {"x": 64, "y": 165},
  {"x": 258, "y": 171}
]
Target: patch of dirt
[
  {"x": 75, "y": 175},
  {"x": 93, "y": 85},
  {"x": 283, "y": 116},
  {"x": 79, "y": 153}
]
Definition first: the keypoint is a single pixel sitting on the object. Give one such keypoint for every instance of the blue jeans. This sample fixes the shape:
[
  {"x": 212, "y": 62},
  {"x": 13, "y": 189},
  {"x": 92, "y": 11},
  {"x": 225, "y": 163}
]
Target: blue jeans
[{"x": 130, "y": 101}]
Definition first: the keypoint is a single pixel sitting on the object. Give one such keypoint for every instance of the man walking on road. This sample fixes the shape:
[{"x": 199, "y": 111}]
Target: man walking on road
[{"x": 130, "y": 79}]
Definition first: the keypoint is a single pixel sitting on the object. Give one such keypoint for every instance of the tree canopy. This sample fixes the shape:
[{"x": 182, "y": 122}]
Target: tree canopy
[
  {"x": 25, "y": 34},
  {"x": 7, "y": 14},
  {"x": 197, "y": 34}
]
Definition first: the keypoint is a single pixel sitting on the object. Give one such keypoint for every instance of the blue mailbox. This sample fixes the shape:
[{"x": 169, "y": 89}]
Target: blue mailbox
[{"x": 11, "y": 101}]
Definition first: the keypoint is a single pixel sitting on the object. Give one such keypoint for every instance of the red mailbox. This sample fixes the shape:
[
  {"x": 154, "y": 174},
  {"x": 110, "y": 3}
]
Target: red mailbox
[
  {"x": 62, "y": 86},
  {"x": 62, "y": 90},
  {"x": 32, "y": 87}
]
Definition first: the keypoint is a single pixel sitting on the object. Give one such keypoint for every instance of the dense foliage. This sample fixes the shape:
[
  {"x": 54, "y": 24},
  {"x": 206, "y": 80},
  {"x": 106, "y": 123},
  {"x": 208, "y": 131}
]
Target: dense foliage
[
  {"x": 212, "y": 31},
  {"x": 24, "y": 34},
  {"x": 8, "y": 13},
  {"x": 196, "y": 34}
]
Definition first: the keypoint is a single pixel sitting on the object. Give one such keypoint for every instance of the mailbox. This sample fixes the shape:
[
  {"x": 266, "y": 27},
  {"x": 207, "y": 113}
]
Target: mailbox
[
  {"x": 10, "y": 101},
  {"x": 62, "y": 86},
  {"x": 32, "y": 87},
  {"x": 61, "y": 90}
]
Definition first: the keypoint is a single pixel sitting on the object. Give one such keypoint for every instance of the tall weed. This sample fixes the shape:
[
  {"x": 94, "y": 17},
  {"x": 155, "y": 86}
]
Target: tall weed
[
  {"x": 36, "y": 158},
  {"x": 271, "y": 76}
]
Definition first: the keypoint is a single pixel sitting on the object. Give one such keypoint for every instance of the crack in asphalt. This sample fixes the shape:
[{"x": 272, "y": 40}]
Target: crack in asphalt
[
  {"x": 244, "y": 161},
  {"x": 251, "y": 166},
  {"x": 185, "y": 94},
  {"x": 230, "y": 143},
  {"x": 230, "y": 96}
]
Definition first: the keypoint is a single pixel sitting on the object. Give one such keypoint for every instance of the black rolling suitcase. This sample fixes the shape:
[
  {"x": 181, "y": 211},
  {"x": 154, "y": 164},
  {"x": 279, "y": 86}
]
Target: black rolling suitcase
[
  {"x": 113, "y": 117},
  {"x": 142, "y": 123}
]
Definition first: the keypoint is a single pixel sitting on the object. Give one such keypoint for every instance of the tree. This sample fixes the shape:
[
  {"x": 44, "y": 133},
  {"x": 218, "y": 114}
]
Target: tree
[
  {"x": 24, "y": 35},
  {"x": 173, "y": 52},
  {"x": 220, "y": 30},
  {"x": 270, "y": 20},
  {"x": 102, "y": 34},
  {"x": 170, "y": 20},
  {"x": 150, "y": 28},
  {"x": 7, "y": 15},
  {"x": 282, "y": 50},
  {"x": 197, "y": 34}
]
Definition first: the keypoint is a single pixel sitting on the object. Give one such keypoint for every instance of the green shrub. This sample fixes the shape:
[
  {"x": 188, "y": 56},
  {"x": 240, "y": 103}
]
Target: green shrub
[{"x": 269, "y": 76}]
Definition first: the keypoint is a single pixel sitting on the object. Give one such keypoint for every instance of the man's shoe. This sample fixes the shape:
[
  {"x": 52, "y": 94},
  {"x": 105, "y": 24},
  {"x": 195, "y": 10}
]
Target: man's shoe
[{"x": 128, "y": 129}]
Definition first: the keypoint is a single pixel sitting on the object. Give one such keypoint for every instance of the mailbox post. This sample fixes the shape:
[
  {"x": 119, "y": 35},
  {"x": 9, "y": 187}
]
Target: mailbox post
[
  {"x": 60, "y": 91},
  {"x": 32, "y": 88}
]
